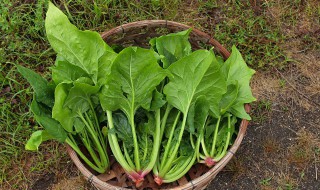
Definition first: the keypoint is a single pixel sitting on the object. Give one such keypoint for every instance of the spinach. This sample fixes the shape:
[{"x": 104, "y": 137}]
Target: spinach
[
  {"x": 191, "y": 77},
  {"x": 161, "y": 109},
  {"x": 237, "y": 75},
  {"x": 134, "y": 76},
  {"x": 67, "y": 110}
]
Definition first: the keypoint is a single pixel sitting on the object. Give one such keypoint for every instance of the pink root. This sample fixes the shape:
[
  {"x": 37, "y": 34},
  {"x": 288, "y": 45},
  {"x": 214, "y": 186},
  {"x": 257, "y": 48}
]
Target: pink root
[
  {"x": 139, "y": 182},
  {"x": 209, "y": 162},
  {"x": 158, "y": 180},
  {"x": 137, "y": 178}
]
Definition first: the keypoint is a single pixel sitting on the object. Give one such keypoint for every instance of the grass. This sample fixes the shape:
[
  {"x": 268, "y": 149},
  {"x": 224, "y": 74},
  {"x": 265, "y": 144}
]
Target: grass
[{"x": 257, "y": 28}]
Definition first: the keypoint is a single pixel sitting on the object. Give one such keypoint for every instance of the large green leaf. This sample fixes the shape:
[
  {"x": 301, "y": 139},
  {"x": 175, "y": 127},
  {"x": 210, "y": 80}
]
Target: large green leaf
[
  {"x": 193, "y": 76},
  {"x": 43, "y": 91},
  {"x": 80, "y": 48},
  {"x": 135, "y": 74},
  {"x": 60, "y": 112},
  {"x": 53, "y": 127},
  {"x": 236, "y": 70},
  {"x": 172, "y": 47}
]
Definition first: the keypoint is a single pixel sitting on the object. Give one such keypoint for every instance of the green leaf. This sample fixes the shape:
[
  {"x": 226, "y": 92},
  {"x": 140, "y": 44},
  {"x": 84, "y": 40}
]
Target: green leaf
[
  {"x": 78, "y": 125},
  {"x": 193, "y": 76},
  {"x": 239, "y": 111},
  {"x": 148, "y": 126},
  {"x": 235, "y": 69},
  {"x": 208, "y": 132},
  {"x": 63, "y": 71},
  {"x": 172, "y": 46},
  {"x": 223, "y": 132},
  {"x": 104, "y": 66},
  {"x": 79, "y": 97},
  {"x": 53, "y": 127},
  {"x": 201, "y": 109},
  {"x": 157, "y": 101},
  {"x": 104, "y": 131},
  {"x": 60, "y": 112},
  {"x": 36, "y": 139},
  {"x": 135, "y": 74},
  {"x": 197, "y": 115},
  {"x": 43, "y": 92},
  {"x": 229, "y": 97},
  {"x": 80, "y": 48},
  {"x": 185, "y": 149},
  {"x": 122, "y": 128}
]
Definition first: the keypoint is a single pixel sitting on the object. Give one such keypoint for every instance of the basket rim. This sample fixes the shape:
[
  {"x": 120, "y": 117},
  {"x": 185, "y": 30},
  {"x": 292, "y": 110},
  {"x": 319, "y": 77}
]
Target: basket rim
[{"x": 208, "y": 176}]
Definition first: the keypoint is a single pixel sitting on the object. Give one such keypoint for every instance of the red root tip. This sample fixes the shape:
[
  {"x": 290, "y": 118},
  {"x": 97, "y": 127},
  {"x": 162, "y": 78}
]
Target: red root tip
[
  {"x": 158, "y": 180},
  {"x": 139, "y": 182},
  {"x": 209, "y": 162},
  {"x": 137, "y": 179}
]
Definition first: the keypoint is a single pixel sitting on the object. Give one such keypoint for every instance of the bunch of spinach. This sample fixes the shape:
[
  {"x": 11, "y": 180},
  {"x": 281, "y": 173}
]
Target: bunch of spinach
[
  {"x": 67, "y": 107},
  {"x": 161, "y": 109},
  {"x": 204, "y": 97}
]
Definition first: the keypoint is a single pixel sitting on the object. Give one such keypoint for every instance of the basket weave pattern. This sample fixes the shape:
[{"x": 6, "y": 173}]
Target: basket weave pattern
[{"x": 138, "y": 34}]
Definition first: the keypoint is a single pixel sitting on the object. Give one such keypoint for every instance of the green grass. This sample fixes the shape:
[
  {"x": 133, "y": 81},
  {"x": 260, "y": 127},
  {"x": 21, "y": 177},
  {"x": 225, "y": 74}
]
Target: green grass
[{"x": 257, "y": 34}]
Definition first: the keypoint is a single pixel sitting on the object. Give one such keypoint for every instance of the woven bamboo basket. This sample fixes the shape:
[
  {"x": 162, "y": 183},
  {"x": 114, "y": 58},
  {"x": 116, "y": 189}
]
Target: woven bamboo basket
[{"x": 199, "y": 176}]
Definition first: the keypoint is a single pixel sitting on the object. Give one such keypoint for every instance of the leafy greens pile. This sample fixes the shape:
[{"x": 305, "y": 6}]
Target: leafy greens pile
[{"x": 161, "y": 109}]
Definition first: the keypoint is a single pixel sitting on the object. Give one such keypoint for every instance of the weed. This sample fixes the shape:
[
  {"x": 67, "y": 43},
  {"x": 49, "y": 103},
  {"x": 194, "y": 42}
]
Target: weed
[
  {"x": 286, "y": 182},
  {"x": 261, "y": 110},
  {"x": 282, "y": 83},
  {"x": 265, "y": 182},
  {"x": 270, "y": 145}
]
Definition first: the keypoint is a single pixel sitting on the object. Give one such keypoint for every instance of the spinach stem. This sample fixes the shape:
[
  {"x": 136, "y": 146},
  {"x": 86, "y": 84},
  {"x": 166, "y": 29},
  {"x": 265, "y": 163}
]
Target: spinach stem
[
  {"x": 200, "y": 139},
  {"x": 114, "y": 145},
  {"x": 191, "y": 141},
  {"x": 127, "y": 155},
  {"x": 82, "y": 156},
  {"x": 167, "y": 147},
  {"x": 135, "y": 142},
  {"x": 175, "y": 150},
  {"x": 202, "y": 156},
  {"x": 217, "y": 158},
  {"x": 100, "y": 136},
  {"x": 204, "y": 148},
  {"x": 170, "y": 177},
  {"x": 173, "y": 174},
  {"x": 156, "y": 145},
  {"x": 97, "y": 143},
  {"x": 86, "y": 142},
  {"x": 164, "y": 120},
  {"x": 146, "y": 149},
  {"x": 181, "y": 172},
  {"x": 214, "y": 139}
]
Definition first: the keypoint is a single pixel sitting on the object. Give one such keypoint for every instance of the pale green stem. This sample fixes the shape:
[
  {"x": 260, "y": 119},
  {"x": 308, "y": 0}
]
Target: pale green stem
[
  {"x": 167, "y": 147},
  {"x": 214, "y": 140},
  {"x": 83, "y": 157}
]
